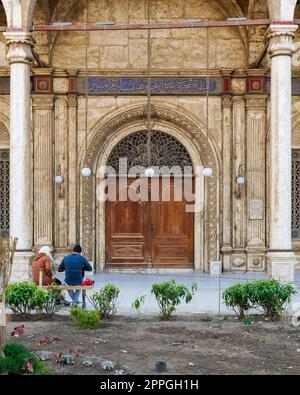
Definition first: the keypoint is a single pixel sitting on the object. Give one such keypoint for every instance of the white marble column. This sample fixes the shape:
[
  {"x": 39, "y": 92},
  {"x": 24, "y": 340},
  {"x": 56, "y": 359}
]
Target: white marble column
[
  {"x": 20, "y": 56},
  {"x": 281, "y": 259}
]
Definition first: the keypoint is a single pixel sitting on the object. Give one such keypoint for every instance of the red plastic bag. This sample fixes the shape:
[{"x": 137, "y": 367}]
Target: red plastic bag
[{"x": 87, "y": 283}]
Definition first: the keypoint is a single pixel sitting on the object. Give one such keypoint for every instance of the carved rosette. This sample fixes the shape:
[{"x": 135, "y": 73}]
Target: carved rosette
[
  {"x": 19, "y": 47},
  {"x": 207, "y": 157},
  {"x": 281, "y": 40}
]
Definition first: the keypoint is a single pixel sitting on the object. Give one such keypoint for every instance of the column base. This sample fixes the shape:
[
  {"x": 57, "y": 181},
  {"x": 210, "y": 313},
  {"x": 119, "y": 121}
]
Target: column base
[
  {"x": 21, "y": 270},
  {"x": 281, "y": 265}
]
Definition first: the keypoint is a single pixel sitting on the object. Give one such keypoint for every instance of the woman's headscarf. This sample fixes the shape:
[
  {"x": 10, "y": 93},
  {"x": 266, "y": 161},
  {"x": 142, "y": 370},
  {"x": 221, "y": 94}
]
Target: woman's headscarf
[{"x": 47, "y": 251}]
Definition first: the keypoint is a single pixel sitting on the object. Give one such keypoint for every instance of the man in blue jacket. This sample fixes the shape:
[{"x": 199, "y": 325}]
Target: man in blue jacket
[{"x": 74, "y": 265}]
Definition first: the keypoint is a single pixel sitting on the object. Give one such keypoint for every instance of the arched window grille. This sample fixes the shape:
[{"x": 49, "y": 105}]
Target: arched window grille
[{"x": 165, "y": 151}]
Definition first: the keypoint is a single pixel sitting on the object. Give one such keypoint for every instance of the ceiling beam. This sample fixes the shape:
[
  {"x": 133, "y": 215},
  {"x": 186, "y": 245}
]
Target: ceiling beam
[{"x": 154, "y": 26}]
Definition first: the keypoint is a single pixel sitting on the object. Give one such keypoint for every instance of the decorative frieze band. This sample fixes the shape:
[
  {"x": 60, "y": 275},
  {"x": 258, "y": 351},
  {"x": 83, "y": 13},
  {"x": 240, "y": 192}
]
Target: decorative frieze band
[{"x": 196, "y": 86}]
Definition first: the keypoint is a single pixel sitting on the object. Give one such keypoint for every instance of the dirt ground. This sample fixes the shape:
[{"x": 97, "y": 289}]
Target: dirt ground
[{"x": 189, "y": 345}]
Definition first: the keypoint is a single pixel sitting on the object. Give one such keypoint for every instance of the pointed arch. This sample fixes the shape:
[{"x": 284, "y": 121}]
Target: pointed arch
[{"x": 202, "y": 152}]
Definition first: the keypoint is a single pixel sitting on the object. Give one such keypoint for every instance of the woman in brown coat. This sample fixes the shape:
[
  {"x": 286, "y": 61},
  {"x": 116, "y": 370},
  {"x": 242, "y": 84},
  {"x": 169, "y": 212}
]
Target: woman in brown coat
[{"x": 43, "y": 262}]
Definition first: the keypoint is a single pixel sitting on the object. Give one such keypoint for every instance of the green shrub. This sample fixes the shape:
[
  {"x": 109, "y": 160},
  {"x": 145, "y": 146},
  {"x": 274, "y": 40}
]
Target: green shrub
[
  {"x": 138, "y": 302},
  {"x": 17, "y": 360},
  {"x": 24, "y": 298},
  {"x": 169, "y": 295},
  {"x": 105, "y": 301},
  {"x": 236, "y": 297},
  {"x": 270, "y": 295},
  {"x": 84, "y": 319}
]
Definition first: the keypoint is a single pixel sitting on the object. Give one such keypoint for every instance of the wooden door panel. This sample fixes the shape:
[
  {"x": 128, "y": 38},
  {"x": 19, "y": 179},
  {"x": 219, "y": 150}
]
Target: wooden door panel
[
  {"x": 125, "y": 231},
  {"x": 172, "y": 231},
  {"x": 127, "y": 251},
  {"x": 161, "y": 230},
  {"x": 127, "y": 220}
]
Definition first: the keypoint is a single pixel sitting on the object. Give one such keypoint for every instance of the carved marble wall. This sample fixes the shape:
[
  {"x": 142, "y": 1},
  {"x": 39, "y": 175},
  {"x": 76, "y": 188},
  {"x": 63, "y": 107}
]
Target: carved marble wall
[
  {"x": 234, "y": 219},
  {"x": 236, "y": 228}
]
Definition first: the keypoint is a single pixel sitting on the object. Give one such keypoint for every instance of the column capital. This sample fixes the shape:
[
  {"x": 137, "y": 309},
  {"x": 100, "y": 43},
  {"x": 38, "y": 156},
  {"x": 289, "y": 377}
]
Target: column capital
[
  {"x": 256, "y": 102},
  {"x": 42, "y": 102},
  {"x": 19, "y": 47},
  {"x": 72, "y": 100},
  {"x": 226, "y": 101},
  {"x": 281, "y": 40}
]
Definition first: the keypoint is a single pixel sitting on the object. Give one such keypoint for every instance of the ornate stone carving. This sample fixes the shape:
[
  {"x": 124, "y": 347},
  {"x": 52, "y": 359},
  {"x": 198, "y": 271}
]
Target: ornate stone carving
[
  {"x": 296, "y": 194},
  {"x": 4, "y": 193},
  {"x": 238, "y": 262},
  {"x": 238, "y": 85},
  {"x": 206, "y": 154},
  {"x": 255, "y": 139},
  {"x": 226, "y": 182},
  {"x": 43, "y": 169},
  {"x": 281, "y": 40},
  {"x": 239, "y": 195},
  {"x": 134, "y": 149},
  {"x": 72, "y": 167},
  {"x": 19, "y": 47},
  {"x": 61, "y": 161}
]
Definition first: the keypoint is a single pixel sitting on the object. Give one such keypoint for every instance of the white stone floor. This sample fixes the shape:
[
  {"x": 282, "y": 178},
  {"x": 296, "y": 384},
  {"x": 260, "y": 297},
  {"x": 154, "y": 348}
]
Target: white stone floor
[{"x": 207, "y": 300}]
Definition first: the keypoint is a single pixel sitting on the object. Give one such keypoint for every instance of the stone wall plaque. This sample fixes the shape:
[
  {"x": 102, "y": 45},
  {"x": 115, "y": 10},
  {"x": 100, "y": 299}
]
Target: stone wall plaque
[{"x": 256, "y": 209}]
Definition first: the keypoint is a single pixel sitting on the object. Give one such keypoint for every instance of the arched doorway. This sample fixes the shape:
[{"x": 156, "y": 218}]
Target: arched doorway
[
  {"x": 104, "y": 137},
  {"x": 149, "y": 220}
]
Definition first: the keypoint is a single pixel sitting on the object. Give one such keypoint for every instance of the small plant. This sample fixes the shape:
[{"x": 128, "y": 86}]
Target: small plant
[
  {"x": 169, "y": 295},
  {"x": 24, "y": 298},
  {"x": 108, "y": 365},
  {"x": 85, "y": 319},
  {"x": 65, "y": 359},
  {"x": 17, "y": 360},
  {"x": 236, "y": 297},
  {"x": 271, "y": 296},
  {"x": 267, "y": 296},
  {"x": 105, "y": 301},
  {"x": 248, "y": 320},
  {"x": 138, "y": 302},
  {"x": 225, "y": 317},
  {"x": 206, "y": 318}
]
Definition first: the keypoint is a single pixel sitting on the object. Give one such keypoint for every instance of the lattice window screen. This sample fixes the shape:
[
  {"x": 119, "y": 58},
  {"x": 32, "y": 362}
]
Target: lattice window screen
[
  {"x": 165, "y": 151},
  {"x": 296, "y": 194},
  {"x": 4, "y": 193}
]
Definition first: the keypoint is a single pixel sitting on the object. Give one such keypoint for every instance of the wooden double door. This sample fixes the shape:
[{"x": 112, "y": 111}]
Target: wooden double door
[{"x": 154, "y": 230}]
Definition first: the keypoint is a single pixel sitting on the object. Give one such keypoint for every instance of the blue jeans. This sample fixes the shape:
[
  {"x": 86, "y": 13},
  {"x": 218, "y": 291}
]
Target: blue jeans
[{"x": 74, "y": 295}]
